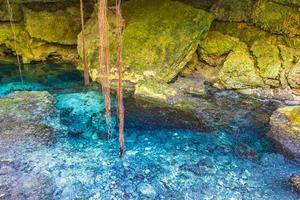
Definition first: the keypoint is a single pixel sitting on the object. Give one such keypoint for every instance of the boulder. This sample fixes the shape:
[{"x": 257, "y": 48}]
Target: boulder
[
  {"x": 268, "y": 59},
  {"x": 238, "y": 71},
  {"x": 232, "y": 10},
  {"x": 157, "y": 40},
  {"x": 276, "y": 18},
  {"x": 213, "y": 48},
  {"x": 285, "y": 130},
  {"x": 290, "y": 3},
  {"x": 59, "y": 26}
]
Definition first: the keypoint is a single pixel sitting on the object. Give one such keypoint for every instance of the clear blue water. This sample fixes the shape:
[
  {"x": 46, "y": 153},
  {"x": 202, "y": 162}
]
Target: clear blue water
[{"x": 161, "y": 162}]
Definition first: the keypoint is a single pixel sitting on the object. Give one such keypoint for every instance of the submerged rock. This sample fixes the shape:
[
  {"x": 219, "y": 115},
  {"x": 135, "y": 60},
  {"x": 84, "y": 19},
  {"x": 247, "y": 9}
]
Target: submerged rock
[
  {"x": 147, "y": 191},
  {"x": 295, "y": 182},
  {"x": 157, "y": 40},
  {"x": 285, "y": 130},
  {"x": 21, "y": 116}
]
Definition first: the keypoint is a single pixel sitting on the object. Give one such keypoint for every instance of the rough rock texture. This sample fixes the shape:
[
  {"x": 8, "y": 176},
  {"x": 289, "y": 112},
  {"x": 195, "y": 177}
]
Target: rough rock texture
[
  {"x": 239, "y": 71},
  {"x": 232, "y": 10},
  {"x": 268, "y": 59},
  {"x": 21, "y": 114},
  {"x": 16, "y": 10},
  {"x": 294, "y": 76},
  {"x": 157, "y": 40},
  {"x": 295, "y": 182},
  {"x": 61, "y": 26},
  {"x": 285, "y": 130},
  {"x": 276, "y": 18}
]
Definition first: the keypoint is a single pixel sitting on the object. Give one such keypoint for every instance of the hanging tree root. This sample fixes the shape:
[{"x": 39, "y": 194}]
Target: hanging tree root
[
  {"x": 15, "y": 38},
  {"x": 84, "y": 60},
  {"x": 104, "y": 60},
  {"x": 120, "y": 26}
]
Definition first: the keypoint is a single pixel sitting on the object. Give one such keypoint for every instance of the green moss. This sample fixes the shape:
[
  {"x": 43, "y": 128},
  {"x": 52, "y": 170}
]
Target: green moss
[
  {"x": 276, "y": 18},
  {"x": 288, "y": 2},
  {"x": 232, "y": 10},
  {"x": 155, "y": 90},
  {"x": 61, "y": 26},
  {"x": 268, "y": 59},
  {"x": 217, "y": 44},
  {"x": 292, "y": 113},
  {"x": 157, "y": 40},
  {"x": 238, "y": 71},
  {"x": 294, "y": 76}
]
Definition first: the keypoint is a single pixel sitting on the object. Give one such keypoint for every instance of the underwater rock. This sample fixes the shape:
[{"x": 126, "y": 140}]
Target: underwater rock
[
  {"x": 157, "y": 40},
  {"x": 276, "y": 18},
  {"x": 232, "y": 10},
  {"x": 147, "y": 190},
  {"x": 285, "y": 130},
  {"x": 239, "y": 71},
  {"x": 268, "y": 59},
  {"x": 245, "y": 151},
  {"x": 295, "y": 182},
  {"x": 61, "y": 26},
  {"x": 16, "y": 10},
  {"x": 21, "y": 116}
]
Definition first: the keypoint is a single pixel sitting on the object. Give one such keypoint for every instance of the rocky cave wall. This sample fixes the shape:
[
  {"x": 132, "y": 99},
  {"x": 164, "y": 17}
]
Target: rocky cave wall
[{"x": 248, "y": 45}]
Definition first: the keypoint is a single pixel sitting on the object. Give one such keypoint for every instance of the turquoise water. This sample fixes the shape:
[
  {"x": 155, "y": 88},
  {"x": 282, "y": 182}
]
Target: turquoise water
[{"x": 162, "y": 161}]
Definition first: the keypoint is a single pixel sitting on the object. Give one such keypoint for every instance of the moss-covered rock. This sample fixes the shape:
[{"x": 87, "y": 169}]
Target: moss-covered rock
[
  {"x": 268, "y": 59},
  {"x": 214, "y": 48},
  {"x": 17, "y": 14},
  {"x": 190, "y": 66},
  {"x": 157, "y": 40},
  {"x": 285, "y": 129},
  {"x": 294, "y": 76},
  {"x": 295, "y": 182},
  {"x": 61, "y": 26},
  {"x": 203, "y": 4},
  {"x": 32, "y": 49},
  {"x": 232, "y": 10},
  {"x": 239, "y": 71},
  {"x": 276, "y": 18},
  {"x": 288, "y": 2},
  {"x": 243, "y": 31},
  {"x": 155, "y": 91}
]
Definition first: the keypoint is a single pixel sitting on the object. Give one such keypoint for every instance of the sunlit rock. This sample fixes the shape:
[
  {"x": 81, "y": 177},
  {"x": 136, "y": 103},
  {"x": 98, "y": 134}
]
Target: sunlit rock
[
  {"x": 156, "y": 38},
  {"x": 285, "y": 130}
]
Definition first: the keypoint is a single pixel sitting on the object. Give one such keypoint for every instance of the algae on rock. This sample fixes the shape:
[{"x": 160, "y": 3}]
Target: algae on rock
[
  {"x": 17, "y": 14},
  {"x": 276, "y": 18},
  {"x": 61, "y": 26},
  {"x": 157, "y": 40}
]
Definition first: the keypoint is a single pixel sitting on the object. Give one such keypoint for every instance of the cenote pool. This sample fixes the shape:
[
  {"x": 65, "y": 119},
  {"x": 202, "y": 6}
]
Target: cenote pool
[{"x": 161, "y": 161}]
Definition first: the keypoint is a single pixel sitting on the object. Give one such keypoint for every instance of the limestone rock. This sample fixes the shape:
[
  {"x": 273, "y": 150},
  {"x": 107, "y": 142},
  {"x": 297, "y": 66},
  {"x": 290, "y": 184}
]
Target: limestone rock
[
  {"x": 276, "y": 18},
  {"x": 285, "y": 130},
  {"x": 157, "y": 40},
  {"x": 268, "y": 59},
  {"x": 33, "y": 50},
  {"x": 239, "y": 71},
  {"x": 294, "y": 76},
  {"x": 155, "y": 91},
  {"x": 232, "y": 10},
  {"x": 61, "y": 26}
]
